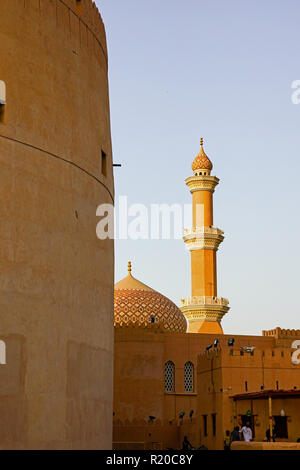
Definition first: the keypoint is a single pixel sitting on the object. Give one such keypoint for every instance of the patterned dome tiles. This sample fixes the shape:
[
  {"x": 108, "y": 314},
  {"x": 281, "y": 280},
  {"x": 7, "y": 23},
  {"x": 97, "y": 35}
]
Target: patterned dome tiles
[{"x": 133, "y": 307}]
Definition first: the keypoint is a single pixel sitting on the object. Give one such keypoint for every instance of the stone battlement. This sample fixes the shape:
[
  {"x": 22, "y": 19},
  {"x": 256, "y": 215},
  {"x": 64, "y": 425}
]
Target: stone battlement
[
  {"x": 231, "y": 357},
  {"x": 281, "y": 333}
]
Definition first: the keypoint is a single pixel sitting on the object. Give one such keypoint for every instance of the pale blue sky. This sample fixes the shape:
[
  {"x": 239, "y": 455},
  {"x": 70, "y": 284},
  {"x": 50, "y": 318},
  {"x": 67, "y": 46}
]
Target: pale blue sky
[{"x": 222, "y": 70}]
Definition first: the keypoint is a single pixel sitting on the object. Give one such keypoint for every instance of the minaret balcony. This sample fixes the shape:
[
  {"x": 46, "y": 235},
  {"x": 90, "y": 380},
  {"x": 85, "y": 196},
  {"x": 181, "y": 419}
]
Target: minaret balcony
[
  {"x": 201, "y": 238},
  {"x": 202, "y": 183},
  {"x": 204, "y": 308}
]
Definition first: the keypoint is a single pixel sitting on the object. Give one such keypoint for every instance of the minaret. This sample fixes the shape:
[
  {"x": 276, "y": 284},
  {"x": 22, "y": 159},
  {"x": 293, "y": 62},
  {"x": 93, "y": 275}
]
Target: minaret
[{"x": 204, "y": 309}]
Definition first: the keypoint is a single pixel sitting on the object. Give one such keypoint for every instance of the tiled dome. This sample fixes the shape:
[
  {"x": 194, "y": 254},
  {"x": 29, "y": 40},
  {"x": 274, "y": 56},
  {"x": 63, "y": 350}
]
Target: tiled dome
[
  {"x": 135, "y": 303},
  {"x": 202, "y": 162}
]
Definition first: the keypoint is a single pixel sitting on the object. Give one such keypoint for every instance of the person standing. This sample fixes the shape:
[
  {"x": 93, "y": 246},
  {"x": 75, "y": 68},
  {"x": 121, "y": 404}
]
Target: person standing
[
  {"x": 235, "y": 435},
  {"x": 246, "y": 432},
  {"x": 186, "y": 445},
  {"x": 268, "y": 434},
  {"x": 227, "y": 440}
]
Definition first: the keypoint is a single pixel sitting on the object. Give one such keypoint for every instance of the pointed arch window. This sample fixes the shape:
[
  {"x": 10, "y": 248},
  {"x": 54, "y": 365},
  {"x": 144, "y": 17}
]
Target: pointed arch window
[
  {"x": 169, "y": 376},
  {"x": 189, "y": 377}
]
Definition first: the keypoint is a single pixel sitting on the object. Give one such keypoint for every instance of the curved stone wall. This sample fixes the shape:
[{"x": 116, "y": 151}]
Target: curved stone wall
[{"x": 56, "y": 277}]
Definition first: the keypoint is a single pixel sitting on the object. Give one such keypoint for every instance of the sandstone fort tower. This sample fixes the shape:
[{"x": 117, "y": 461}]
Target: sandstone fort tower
[{"x": 56, "y": 277}]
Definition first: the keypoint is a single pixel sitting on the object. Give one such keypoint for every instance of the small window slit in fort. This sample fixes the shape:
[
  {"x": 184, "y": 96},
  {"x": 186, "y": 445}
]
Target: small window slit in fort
[
  {"x": 214, "y": 423},
  {"x": 103, "y": 163},
  {"x": 2, "y": 101},
  {"x": 204, "y": 418}
]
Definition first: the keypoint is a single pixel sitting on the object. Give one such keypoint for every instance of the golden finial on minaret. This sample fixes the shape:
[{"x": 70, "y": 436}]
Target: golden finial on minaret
[
  {"x": 129, "y": 267},
  {"x": 201, "y": 141}
]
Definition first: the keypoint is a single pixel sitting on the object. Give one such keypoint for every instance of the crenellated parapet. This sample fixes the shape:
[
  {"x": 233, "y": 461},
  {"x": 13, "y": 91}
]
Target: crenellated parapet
[
  {"x": 231, "y": 357},
  {"x": 281, "y": 333}
]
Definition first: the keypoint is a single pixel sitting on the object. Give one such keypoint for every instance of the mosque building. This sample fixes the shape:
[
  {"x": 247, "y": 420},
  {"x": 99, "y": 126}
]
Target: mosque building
[{"x": 176, "y": 374}]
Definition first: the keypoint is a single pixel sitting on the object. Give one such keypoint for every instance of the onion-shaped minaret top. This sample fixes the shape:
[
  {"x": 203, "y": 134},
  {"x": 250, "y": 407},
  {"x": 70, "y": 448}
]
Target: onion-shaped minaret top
[{"x": 202, "y": 164}]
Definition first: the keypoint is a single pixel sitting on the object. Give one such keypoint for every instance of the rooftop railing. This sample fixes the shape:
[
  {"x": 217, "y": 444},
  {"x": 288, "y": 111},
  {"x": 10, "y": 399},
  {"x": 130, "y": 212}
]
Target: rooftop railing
[{"x": 204, "y": 300}]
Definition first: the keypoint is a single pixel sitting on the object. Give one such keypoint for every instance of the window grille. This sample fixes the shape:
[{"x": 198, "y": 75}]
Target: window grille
[
  {"x": 169, "y": 376},
  {"x": 188, "y": 377}
]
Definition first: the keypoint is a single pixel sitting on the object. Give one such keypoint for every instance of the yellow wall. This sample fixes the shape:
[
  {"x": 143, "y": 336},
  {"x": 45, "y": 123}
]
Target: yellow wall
[
  {"x": 140, "y": 355},
  {"x": 261, "y": 420},
  {"x": 204, "y": 272},
  {"x": 56, "y": 283},
  {"x": 203, "y": 205},
  {"x": 220, "y": 376},
  {"x": 206, "y": 327}
]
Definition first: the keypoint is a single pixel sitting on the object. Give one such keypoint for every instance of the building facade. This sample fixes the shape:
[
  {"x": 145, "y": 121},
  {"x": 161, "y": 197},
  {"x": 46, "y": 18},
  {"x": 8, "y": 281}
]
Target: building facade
[
  {"x": 174, "y": 378},
  {"x": 257, "y": 384},
  {"x": 56, "y": 276},
  {"x": 201, "y": 393}
]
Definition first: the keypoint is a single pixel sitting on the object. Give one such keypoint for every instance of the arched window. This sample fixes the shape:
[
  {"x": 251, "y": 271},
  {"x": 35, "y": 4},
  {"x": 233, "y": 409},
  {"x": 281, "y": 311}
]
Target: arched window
[
  {"x": 169, "y": 376},
  {"x": 189, "y": 377}
]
